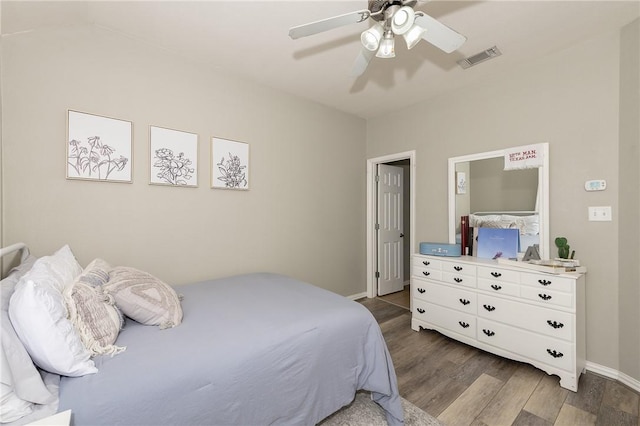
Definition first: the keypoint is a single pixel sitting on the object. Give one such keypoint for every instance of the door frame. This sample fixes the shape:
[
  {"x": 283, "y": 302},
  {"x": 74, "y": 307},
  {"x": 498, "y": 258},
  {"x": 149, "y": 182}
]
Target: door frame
[{"x": 372, "y": 163}]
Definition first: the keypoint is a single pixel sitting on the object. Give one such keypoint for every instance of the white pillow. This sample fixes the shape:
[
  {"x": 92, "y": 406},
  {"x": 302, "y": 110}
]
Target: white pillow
[
  {"x": 18, "y": 371},
  {"x": 39, "y": 316},
  {"x": 529, "y": 225},
  {"x": 13, "y": 408},
  {"x": 475, "y": 219}
]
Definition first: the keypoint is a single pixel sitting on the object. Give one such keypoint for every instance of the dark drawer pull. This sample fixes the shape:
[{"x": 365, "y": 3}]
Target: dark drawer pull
[
  {"x": 554, "y": 353},
  {"x": 496, "y": 287},
  {"x": 496, "y": 274},
  {"x": 426, "y": 273},
  {"x": 488, "y": 332},
  {"x": 458, "y": 268},
  {"x": 420, "y": 310},
  {"x": 426, "y": 262},
  {"x": 544, "y": 282},
  {"x": 544, "y": 296},
  {"x": 555, "y": 324},
  {"x": 421, "y": 290},
  {"x": 464, "y": 301},
  {"x": 463, "y": 324},
  {"x": 489, "y": 308},
  {"x": 458, "y": 280}
]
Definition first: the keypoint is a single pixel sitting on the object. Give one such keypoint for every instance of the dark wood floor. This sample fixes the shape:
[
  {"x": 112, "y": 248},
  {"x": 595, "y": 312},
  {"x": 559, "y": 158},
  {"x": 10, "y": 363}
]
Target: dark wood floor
[{"x": 462, "y": 385}]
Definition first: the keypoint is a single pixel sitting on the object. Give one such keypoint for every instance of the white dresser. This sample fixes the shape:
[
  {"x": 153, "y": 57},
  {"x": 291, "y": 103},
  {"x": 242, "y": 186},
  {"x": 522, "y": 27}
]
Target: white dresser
[{"x": 520, "y": 314}]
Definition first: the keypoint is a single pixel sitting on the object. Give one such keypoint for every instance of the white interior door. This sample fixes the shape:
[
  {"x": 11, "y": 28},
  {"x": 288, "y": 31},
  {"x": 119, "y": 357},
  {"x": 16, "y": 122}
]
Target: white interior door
[{"x": 390, "y": 229}]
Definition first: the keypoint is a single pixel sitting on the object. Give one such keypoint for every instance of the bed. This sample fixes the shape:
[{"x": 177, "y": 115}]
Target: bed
[{"x": 252, "y": 349}]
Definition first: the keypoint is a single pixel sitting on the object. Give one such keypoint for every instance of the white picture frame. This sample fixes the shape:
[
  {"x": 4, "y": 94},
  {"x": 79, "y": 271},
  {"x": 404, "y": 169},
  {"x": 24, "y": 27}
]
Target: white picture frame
[
  {"x": 173, "y": 157},
  {"x": 229, "y": 164},
  {"x": 99, "y": 148}
]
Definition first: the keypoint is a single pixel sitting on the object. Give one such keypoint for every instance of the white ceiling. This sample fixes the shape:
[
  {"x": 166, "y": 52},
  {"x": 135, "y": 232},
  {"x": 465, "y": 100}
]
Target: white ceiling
[{"x": 250, "y": 39}]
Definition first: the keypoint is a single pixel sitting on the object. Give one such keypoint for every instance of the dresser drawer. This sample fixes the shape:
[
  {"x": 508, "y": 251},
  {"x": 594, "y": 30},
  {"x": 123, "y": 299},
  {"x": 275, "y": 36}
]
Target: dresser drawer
[
  {"x": 454, "y": 298},
  {"x": 458, "y": 268},
  {"x": 529, "y": 317},
  {"x": 547, "y": 281},
  {"x": 459, "y": 279},
  {"x": 547, "y": 350},
  {"x": 426, "y": 268},
  {"x": 498, "y": 275},
  {"x": 450, "y": 319},
  {"x": 428, "y": 262},
  {"x": 548, "y": 297},
  {"x": 498, "y": 287},
  {"x": 422, "y": 272}
]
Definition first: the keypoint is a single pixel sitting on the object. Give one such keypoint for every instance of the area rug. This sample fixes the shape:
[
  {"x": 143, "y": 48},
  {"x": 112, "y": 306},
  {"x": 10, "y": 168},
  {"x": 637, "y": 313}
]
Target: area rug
[{"x": 364, "y": 412}]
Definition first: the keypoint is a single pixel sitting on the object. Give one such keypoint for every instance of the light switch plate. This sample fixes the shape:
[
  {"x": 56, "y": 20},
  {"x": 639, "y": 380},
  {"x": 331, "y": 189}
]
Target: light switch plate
[
  {"x": 600, "y": 214},
  {"x": 595, "y": 185}
]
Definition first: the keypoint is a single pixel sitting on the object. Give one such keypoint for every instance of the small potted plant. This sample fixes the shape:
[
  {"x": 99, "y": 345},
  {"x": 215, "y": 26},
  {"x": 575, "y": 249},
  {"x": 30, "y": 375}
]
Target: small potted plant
[{"x": 563, "y": 248}]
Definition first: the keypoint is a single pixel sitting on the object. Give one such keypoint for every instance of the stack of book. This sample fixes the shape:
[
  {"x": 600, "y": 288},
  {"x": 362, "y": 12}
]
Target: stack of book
[{"x": 552, "y": 266}]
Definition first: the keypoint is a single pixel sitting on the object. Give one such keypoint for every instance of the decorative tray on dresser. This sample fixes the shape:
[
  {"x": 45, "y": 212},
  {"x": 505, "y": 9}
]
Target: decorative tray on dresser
[{"x": 525, "y": 315}]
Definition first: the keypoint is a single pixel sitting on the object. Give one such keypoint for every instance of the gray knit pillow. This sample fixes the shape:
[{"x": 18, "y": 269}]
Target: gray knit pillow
[{"x": 144, "y": 298}]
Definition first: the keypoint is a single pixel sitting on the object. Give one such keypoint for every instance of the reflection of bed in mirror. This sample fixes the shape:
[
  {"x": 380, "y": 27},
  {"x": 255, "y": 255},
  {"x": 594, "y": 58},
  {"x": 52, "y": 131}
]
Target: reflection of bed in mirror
[{"x": 527, "y": 223}]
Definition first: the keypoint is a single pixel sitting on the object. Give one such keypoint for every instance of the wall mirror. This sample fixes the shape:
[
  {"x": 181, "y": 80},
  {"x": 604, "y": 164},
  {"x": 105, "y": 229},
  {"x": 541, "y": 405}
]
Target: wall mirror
[{"x": 478, "y": 186}]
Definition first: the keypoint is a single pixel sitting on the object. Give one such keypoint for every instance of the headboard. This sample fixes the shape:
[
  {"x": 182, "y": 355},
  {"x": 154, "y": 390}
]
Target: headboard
[
  {"x": 13, "y": 248},
  {"x": 527, "y": 221},
  {"x": 7, "y": 263}
]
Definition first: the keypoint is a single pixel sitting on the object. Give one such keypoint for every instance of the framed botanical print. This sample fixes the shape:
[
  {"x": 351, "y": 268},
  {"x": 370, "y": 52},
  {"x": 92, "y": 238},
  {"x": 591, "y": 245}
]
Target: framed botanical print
[
  {"x": 99, "y": 148},
  {"x": 173, "y": 157},
  {"x": 229, "y": 164}
]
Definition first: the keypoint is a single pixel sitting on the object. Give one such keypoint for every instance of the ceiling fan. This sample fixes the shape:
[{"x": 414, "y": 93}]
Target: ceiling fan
[{"x": 393, "y": 17}]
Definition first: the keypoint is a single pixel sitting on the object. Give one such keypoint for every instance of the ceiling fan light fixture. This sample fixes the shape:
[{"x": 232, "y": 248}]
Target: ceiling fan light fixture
[
  {"x": 414, "y": 35},
  {"x": 371, "y": 38},
  {"x": 387, "y": 46},
  {"x": 402, "y": 20}
]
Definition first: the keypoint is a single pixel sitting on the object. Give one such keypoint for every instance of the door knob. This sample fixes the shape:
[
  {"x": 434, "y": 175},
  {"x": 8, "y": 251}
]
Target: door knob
[{"x": 401, "y": 235}]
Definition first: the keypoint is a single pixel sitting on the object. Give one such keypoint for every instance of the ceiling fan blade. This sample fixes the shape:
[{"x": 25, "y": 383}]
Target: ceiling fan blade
[
  {"x": 329, "y": 24},
  {"x": 362, "y": 62},
  {"x": 439, "y": 34}
]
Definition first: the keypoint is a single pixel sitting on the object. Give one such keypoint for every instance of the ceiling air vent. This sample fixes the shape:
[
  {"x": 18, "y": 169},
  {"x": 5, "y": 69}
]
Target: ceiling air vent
[{"x": 479, "y": 57}]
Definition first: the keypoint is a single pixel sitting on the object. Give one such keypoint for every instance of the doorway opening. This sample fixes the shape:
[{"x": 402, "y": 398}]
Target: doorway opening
[{"x": 406, "y": 161}]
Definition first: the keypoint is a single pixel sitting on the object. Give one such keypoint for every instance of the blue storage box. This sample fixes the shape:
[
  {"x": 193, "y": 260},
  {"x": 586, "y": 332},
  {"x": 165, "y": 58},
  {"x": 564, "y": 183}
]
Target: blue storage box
[{"x": 440, "y": 249}]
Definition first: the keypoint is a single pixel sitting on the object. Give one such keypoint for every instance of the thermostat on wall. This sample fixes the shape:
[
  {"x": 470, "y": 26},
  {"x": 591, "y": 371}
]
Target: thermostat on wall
[{"x": 595, "y": 185}]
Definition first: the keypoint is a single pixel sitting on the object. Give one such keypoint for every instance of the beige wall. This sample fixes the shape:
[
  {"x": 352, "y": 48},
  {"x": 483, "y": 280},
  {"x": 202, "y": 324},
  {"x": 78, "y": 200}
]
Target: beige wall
[
  {"x": 492, "y": 188},
  {"x": 569, "y": 99},
  {"x": 629, "y": 216},
  {"x": 303, "y": 216}
]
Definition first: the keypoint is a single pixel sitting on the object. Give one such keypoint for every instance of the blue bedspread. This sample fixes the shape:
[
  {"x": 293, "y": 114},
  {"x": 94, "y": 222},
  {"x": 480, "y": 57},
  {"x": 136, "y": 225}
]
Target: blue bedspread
[{"x": 257, "y": 349}]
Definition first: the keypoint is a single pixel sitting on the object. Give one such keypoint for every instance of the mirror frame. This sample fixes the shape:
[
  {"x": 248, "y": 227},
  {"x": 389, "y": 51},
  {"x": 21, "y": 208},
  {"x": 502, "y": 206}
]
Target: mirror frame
[{"x": 543, "y": 193}]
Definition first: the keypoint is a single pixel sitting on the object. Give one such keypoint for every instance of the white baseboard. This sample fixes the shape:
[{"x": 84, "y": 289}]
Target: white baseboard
[
  {"x": 613, "y": 374},
  {"x": 357, "y": 296}
]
